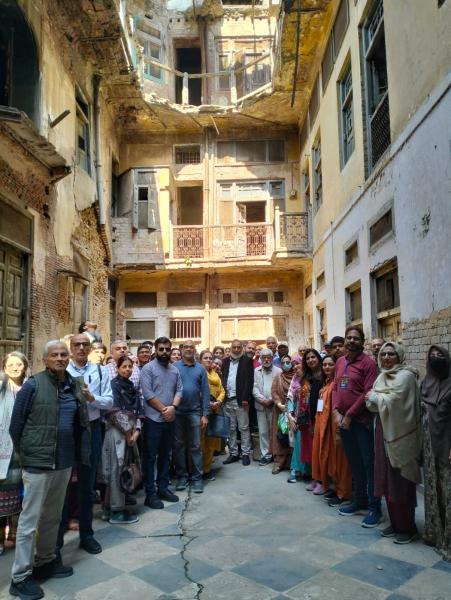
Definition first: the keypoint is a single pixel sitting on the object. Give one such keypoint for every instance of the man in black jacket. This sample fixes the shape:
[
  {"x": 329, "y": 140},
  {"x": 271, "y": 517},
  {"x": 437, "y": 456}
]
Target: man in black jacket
[
  {"x": 49, "y": 425},
  {"x": 238, "y": 381}
]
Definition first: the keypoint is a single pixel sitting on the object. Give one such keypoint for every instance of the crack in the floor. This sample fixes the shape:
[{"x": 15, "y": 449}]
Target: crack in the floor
[{"x": 189, "y": 540}]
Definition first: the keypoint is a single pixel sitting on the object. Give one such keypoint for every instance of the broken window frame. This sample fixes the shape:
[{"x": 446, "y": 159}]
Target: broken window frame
[
  {"x": 151, "y": 201},
  {"x": 83, "y": 113},
  {"x": 148, "y": 39}
]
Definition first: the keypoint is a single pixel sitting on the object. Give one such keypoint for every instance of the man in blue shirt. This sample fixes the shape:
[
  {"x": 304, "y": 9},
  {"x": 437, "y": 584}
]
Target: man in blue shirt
[
  {"x": 192, "y": 416},
  {"x": 98, "y": 395},
  {"x": 162, "y": 390}
]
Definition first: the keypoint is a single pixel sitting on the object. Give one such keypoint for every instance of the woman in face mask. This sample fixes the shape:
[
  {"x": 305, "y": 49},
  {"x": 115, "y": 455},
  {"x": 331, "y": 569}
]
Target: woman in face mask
[
  {"x": 436, "y": 402},
  {"x": 279, "y": 445}
]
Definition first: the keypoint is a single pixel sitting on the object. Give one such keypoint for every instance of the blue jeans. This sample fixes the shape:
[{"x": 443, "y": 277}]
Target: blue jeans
[
  {"x": 157, "y": 444},
  {"x": 187, "y": 436},
  {"x": 358, "y": 444}
]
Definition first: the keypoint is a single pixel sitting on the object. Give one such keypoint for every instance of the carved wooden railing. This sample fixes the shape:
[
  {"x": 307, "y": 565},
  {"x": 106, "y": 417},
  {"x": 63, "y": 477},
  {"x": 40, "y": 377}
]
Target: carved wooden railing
[
  {"x": 292, "y": 231},
  {"x": 220, "y": 242}
]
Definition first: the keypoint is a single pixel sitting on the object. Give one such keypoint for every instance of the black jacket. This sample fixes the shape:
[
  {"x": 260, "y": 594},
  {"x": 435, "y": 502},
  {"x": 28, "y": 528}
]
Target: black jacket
[{"x": 244, "y": 378}]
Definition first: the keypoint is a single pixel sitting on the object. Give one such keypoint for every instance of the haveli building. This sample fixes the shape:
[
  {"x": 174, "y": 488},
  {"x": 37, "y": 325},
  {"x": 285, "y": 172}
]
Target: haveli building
[{"x": 215, "y": 169}]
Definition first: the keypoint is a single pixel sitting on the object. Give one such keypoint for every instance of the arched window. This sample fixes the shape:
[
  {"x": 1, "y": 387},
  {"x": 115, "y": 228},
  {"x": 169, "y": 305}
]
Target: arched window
[{"x": 19, "y": 64}]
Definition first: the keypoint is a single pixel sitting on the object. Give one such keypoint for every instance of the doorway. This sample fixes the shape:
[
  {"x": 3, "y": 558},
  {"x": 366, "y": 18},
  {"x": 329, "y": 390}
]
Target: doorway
[
  {"x": 189, "y": 60},
  {"x": 190, "y": 206},
  {"x": 251, "y": 212}
]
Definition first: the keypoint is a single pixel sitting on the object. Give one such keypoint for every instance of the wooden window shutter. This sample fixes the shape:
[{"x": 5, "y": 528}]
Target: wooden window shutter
[
  {"x": 135, "y": 213},
  {"x": 152, "y": 207}
]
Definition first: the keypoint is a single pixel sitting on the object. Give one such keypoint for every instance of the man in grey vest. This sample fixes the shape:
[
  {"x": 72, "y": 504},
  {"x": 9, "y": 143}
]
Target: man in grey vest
[{"x": 49, "y": 425}]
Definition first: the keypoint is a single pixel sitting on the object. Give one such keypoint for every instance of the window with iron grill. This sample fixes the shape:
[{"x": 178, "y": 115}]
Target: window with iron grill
[
  {"x": 184, "y": 329},
  {"x": 376, "y": 86},
  {"x": 317, "y": 175},
  {"x": 347, "y": 116},
  {"x": 187, "y": 155}
]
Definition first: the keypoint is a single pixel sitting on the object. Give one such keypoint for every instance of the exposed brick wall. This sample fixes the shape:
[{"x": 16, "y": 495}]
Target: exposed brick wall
[
  {"x": 418, "y": 335},
  {"x": 140, "y": 247},
  {"x": 88, "y": 241}
]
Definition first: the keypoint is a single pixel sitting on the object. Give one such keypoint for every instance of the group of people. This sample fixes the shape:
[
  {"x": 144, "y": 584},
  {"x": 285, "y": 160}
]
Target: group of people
[{"x": 355, "y": 427}]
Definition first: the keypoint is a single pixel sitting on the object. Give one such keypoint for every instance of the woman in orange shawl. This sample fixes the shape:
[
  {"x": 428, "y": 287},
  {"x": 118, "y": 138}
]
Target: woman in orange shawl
[{"x": 328, "y": 459}]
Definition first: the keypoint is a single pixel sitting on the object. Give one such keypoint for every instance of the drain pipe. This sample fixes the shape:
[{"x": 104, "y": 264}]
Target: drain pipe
[
  {"x": 98, "y": 166},
  {"x": 96, "y": 85}
]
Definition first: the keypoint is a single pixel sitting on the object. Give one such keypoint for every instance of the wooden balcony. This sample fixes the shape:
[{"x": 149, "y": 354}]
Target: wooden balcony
[{"x": 288, "y": 236}]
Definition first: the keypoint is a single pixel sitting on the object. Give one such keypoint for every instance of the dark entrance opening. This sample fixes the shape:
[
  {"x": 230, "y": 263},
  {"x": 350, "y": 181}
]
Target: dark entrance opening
[
  {"x": 19, "y": 69},
  {"x": 189, "y": 60}
]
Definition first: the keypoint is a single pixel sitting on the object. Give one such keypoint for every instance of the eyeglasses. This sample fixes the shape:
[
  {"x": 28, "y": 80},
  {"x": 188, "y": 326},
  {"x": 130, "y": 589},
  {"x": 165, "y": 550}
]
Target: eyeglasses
[{"x": 388, "y": 354}]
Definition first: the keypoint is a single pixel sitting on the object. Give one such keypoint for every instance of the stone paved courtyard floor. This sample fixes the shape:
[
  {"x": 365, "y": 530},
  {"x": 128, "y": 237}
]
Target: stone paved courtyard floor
[{"x": 250, "y": 536}]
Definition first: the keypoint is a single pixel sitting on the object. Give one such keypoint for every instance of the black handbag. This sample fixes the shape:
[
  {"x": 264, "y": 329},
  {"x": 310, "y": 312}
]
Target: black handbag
[
  {"x": 218, "y": 425},
  {"x": 131, "y": 474},
  {"x": 303, "y": 418}
]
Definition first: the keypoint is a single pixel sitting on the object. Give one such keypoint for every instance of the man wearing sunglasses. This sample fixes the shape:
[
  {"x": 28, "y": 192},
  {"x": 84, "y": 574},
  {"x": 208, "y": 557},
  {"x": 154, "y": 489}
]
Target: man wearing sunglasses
[{"x": 162, "y": 390}]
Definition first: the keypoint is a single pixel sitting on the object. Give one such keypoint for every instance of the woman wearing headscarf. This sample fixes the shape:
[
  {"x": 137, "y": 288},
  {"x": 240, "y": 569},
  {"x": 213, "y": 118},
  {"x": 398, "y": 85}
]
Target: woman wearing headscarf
[
  {"x": 395, "y": 398},
  {"x": 15, "y": 367},
  {"x": 279, "y": 445},
  {"x": 436, "y": 403}
]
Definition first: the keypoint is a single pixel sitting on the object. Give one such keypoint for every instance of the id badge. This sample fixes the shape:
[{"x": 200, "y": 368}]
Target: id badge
[
  {"x": 320, "y": 406},
  {"x": 344, "y": 380}
]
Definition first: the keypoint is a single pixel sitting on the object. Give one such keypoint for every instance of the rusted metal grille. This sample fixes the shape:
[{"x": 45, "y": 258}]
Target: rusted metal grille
[
  {"x": 184, "y": 329},
  {"x": 188, "y": 242},
  {"x": 187, "y": 155},
  {"x": 380, "y": 129},
  {"x": 294, "y": 231},
  {"x": 256, "y": 240}
]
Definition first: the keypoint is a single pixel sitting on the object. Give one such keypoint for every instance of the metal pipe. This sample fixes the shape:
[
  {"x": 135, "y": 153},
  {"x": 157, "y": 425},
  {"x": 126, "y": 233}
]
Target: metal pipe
[{"x": 102, "y": 213}]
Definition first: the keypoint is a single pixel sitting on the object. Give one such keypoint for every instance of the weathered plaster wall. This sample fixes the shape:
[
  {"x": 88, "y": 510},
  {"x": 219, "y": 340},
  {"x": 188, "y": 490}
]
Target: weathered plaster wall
[
  {"x": 212, "y": 312},
  {"x": 418, "y": 54},
  {"x": 422, "y": 221}
]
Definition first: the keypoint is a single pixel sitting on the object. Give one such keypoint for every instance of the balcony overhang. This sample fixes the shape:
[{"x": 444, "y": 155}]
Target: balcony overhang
[
  {"x": 19, "y": 128},
  {"x": 147, "y": 113}
]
